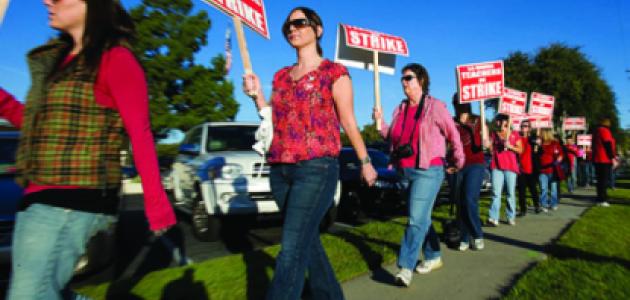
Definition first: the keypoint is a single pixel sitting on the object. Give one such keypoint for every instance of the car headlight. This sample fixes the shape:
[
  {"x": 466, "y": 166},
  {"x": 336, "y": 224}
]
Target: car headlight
[{"x": 231, "y": 171}]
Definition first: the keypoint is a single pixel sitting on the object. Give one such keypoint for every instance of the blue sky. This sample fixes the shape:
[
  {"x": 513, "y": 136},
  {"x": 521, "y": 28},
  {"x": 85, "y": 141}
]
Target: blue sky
[{"x": 440, "y": 35}]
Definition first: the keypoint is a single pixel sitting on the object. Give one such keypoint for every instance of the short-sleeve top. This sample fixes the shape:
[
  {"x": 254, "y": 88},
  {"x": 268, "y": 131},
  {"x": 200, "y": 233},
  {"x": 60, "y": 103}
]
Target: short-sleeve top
[
  {"x": 503, "y": 159},
  {"x": 305, "y": 122}
]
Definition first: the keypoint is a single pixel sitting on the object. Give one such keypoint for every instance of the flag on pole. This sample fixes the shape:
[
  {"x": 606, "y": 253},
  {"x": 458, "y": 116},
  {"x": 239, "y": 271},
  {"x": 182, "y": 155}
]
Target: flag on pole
[{"x": 228, "y": 50}]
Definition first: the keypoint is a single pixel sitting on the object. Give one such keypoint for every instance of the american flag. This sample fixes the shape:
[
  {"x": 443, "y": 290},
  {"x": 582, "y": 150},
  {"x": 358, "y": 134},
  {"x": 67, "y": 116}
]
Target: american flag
[{"x": 228, "y": 50}]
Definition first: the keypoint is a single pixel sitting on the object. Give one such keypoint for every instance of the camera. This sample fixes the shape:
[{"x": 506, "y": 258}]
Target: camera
[{"x": 401, "y": 152}]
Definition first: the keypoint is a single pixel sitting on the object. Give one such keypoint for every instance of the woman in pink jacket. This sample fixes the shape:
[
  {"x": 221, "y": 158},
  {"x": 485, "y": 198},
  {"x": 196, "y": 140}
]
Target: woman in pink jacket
[{"x": 420, "y": 128}]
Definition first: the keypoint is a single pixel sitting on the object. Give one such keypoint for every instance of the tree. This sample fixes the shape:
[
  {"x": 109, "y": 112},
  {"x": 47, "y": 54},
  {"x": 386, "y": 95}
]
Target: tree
[
  {"x": 567, "y": 74},
  {"x": 182, "y": 92}
]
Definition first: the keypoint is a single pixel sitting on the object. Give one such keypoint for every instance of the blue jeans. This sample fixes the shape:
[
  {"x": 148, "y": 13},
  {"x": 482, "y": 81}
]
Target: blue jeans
[
  {"x": 423, "y": 186},
  {"x": 572, "y": 178},
  {"x": 547, "y": 180},
  {"x": 304, "y": 191},
  {"x": 471, "y": 179},
  {"x": 498, "y": 178},
  {"x": 47, "y": 243}
]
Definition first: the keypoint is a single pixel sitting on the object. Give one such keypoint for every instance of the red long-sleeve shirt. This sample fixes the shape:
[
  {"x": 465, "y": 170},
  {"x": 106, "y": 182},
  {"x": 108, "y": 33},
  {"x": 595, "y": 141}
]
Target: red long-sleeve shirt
[{"x": 120, "y": 85}]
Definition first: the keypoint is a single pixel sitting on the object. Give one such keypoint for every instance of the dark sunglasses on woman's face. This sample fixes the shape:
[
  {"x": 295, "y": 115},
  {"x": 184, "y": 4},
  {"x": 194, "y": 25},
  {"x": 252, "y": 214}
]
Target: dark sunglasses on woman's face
[
  {"x": 407, "y": 78},
  {"x": 297, "y": 23}
]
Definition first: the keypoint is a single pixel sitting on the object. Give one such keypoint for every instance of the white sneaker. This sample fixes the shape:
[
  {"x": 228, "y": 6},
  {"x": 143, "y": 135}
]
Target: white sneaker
[
  {"x": 603, "y": 204},
  {"x": 463, "y": 246},
  {"x": 478, "y": 244},
  {"x": 493, "y": 222},
  {"x": 554, "y": 208},
  {"x": 545, "y": 210},
  {"x": 404, "y": 277},
  {"x": 512, "y": 222},
  {"x": 427, "y": 266}
]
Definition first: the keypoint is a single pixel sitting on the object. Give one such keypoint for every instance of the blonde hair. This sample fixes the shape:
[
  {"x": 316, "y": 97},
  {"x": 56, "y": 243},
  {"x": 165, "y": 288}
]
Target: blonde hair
[{"x": 547, "y": 135}]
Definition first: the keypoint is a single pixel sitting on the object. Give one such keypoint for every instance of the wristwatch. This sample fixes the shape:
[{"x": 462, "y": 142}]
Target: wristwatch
[{"x": 366, "y": 160}]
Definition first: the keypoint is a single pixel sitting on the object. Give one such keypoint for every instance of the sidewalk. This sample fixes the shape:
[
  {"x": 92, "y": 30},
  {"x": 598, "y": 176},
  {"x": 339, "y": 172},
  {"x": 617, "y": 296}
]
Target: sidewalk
[{"x": 509, "y": 251}]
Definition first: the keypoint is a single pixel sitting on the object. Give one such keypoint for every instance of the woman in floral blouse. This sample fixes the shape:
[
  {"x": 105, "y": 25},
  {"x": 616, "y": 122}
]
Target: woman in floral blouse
[{"x": 310, "y": 99}]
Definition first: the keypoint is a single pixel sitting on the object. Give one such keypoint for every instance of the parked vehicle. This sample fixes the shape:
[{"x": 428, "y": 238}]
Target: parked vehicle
[
  {"x": 100, "y": 250},
  {"x": 356, "y": 197},
  {"x": 217, "y": 175}
]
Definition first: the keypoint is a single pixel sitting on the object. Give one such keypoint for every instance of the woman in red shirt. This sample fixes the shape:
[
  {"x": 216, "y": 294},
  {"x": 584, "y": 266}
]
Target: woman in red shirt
[
  {"x": 506, "y": 146},
  {"x": 528, "y": 177},
  {"x": 310, "y": 100},
  {"x": 550, "y": 156}
]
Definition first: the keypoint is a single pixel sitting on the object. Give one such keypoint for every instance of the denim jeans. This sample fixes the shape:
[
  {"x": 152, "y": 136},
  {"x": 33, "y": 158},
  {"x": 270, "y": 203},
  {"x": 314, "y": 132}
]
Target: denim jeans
[
  {"x": 423, "y": 186},
  {"x": 471, "y": 179},
  {"x": 572, "y": 178},
  {"x": 304, "y": 191},
  {"x": 498, "y": 178},
  {"x": 47, "y": 243},
  {"x": 547, "y": 181}
]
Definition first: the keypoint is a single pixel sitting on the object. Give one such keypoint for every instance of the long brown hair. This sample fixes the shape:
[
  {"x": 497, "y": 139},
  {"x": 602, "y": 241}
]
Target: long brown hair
[{"x": 316, "y": 20}]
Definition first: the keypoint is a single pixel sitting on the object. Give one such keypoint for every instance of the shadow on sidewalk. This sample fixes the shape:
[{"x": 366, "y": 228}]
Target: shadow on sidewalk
[
  {"x": 372, "y": 258},
  {"x": 515, "y": 242}
]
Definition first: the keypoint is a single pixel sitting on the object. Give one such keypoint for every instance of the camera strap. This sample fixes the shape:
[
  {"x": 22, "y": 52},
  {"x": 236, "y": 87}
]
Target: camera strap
[{"x": 416, "y": 117}]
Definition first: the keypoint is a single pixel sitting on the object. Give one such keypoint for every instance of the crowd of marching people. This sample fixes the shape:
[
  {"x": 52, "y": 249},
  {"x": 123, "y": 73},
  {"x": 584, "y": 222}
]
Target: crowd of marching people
[{"x": 88, "y": 91}]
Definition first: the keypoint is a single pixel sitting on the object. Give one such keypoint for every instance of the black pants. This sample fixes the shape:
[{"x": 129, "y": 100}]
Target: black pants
[
  {"x": 602, "y": 171},
  {"x": 527, "y": 181}
]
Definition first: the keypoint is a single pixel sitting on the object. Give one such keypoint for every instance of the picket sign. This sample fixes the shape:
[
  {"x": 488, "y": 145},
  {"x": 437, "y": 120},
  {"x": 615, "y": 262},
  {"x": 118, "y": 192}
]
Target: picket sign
[
  {"x": 480, "y": 81},
  {"x": 250, "y": 12},
  {"x": 376, "y": 42},
  {"x": 584, "y": 140},
  {"x": 3, "y": 8},
  {"x": 512, "y": 103},
  {"x": 574, "y": 123}
]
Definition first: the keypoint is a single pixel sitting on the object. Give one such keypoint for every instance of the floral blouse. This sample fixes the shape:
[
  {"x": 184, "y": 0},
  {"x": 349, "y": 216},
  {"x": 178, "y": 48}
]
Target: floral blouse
[{"x": 305, "y": 122}]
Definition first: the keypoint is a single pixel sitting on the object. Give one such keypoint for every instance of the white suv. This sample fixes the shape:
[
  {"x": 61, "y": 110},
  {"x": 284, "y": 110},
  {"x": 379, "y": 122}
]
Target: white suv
[{"x": 217, "y": 174}]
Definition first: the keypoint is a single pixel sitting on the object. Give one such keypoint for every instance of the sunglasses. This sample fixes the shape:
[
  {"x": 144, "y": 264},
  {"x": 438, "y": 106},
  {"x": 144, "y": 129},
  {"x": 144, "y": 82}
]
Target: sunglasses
[
  {"x": 297, "y": 24},
  {"x": 407, "y": 78}
]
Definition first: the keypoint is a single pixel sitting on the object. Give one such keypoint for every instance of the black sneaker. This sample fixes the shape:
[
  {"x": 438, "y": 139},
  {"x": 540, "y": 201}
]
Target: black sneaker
[{"x": 521, "y": 214}]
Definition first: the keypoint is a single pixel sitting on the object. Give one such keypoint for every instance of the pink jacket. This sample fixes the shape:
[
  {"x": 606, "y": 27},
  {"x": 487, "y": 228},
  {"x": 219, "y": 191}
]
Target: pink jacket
[{"x": 436, "y": 127}]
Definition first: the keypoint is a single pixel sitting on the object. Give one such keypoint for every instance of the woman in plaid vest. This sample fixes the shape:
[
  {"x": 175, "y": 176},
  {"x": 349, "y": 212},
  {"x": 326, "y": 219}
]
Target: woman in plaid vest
[{"x": 88, "y": 91}]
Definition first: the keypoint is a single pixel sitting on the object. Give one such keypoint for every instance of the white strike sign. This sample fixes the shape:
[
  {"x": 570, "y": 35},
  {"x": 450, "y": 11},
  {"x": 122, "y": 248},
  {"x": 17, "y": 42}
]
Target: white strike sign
[
  {"x": 251, "y": 12},
  {"x": 574, "y": 123},
  {"x": 374, "y": 41},
  {"x": 480, "y": 81},
  {"x": 541, "y": 104},
  {"x": 584, "y": 139},
  {"x": 512, "y": 102},
  {"x": 538, "y": 121}
]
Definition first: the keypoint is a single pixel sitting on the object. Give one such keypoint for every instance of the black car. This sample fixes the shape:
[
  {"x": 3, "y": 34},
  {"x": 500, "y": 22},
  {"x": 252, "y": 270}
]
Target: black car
[{"x": 356, "y": 197}]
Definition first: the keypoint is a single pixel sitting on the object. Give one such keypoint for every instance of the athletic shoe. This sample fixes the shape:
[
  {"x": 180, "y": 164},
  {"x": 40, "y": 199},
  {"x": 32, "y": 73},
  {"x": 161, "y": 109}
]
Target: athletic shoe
[
  {"x": 545, "y": 210},
  {"x": 478, "y": 244},
  {"x": 554, "y": 208},
  {"x": 463, "y": 246},
  {"x": 512, "y": 222},
  {"x": 404, "y": 277},
  {"x": 603, "y": 204},
  {"x": 493, "y": 222},
  {"x": 429, "y": 265}
]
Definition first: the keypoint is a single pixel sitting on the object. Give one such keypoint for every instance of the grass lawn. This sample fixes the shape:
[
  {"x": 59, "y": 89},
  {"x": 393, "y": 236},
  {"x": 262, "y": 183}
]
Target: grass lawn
[
  {"x": 590, "y": 261},
  {"x": 352, "y": 253}
]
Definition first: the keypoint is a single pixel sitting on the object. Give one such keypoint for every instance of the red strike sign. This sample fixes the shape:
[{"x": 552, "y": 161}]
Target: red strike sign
[
  {"x": 517, "y": 120},
  {"x": 584, "y": 139},
  {"x": 374, "y": 41},
  {"x": 541, "y": 104},
  {"x": 251, "y": 12},
  {"x": 541, "y": 121},
  {"x": 513, "y": 102},
  {"x": 480, "y": 81},
  {"x": 574, "y": 123}
]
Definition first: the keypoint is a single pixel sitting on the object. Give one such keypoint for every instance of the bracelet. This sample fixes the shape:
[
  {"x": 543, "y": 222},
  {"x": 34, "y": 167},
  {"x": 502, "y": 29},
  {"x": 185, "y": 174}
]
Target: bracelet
[{"x": 366, "y": 160}]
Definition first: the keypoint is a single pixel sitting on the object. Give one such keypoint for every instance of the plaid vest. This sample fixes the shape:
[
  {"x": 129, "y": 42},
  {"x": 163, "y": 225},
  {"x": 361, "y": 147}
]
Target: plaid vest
[{"x": 67, "y": 138}]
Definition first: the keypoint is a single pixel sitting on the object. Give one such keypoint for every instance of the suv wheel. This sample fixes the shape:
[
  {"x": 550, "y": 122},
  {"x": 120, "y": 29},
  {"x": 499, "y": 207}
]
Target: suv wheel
[{"x": 205, "y": 227}]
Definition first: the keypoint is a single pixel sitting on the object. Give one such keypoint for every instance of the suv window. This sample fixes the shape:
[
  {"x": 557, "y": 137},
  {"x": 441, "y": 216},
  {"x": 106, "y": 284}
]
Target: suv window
[
  {"x": 379, "y": 159},
  {"x": 194, "y": 137},
  {"x": 8, "y": 147},
  {"x": 229, "y": 138}
]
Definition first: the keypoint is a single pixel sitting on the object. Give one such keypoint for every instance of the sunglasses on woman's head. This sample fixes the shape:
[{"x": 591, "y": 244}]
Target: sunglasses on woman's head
[
  {"x": 297, "y": 23},
  {"x": 407, "y": 78}
]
